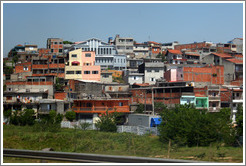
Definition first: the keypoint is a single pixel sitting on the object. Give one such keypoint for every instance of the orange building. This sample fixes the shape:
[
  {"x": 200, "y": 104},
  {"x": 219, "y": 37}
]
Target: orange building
[
  {"x": 100, "y": 106},
  {"x": 209, "y": 74},
  {"x": 23, "y": 67}
]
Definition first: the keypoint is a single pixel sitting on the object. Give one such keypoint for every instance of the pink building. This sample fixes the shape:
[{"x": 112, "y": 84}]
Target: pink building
[
  {"x": 174, "y": 75},
  {"x": 82, "y": 66}
]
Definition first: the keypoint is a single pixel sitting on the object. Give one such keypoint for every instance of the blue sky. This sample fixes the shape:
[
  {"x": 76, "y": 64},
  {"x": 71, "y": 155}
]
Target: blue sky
[{"x": 162, "y": 22}]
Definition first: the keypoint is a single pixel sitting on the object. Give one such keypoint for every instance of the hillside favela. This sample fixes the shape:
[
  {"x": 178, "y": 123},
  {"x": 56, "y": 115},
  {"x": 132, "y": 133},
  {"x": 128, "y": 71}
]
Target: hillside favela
[
  {"x": 123, "y": 100},
  {"x": 151, "y": 93}
]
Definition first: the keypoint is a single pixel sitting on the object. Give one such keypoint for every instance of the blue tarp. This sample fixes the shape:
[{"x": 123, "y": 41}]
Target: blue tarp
[{"x": 155, "y": 122}]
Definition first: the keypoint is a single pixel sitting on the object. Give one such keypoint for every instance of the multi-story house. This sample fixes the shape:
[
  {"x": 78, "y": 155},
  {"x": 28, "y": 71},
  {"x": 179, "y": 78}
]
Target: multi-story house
[
  {"x": 226, "y": 47},
  {"x": 239, "y": 44},
  {"x": 152, "y": 71},
  {"x": 214, "y": 98},
  {"x": 55, "y": 45},
  {"x": 81, "y": 65},
  {"x": 141, "y": 50},
  {"x": 175, "y": 57},
  {"x": 104, "y": 52},
  {"x": 168, "y": 46},
  {"x": 237, "y": 98},
  {"x": 124, "y": 45}
]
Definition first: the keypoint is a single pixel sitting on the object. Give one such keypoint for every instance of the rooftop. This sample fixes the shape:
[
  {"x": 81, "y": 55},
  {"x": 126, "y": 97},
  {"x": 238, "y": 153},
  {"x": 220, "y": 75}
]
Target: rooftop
[
  {"x": 152, "y": 64},
  {"x": 236, "y": 61},
  {"x": 222, "y": 55},
  {"x": 175, "y": 51}
]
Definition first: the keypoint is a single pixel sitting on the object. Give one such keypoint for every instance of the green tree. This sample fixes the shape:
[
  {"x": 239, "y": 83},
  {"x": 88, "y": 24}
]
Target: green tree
[
  {"x": 159, "y": 107},
  {"x": 185, "y": 125},
  {"x": 59, "y": 85},
  {"x": 107, "y": 122},
  {"x": 140, "y": 108},
  {"x": 68, "y": 42},
  {"x": 50, "y": 122},
  {"x": 70, "y": 115},
  {"x": 27, "y": 117},
  {"x": 8, "y": 70},
  {"x": 239, "y": 120},
  {"x": 7, "y": 113}
]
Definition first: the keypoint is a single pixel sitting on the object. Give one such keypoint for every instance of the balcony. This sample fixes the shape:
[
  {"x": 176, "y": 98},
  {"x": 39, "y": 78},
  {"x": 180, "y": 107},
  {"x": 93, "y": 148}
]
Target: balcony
[
  {"x": 214, "y": 98},
  {"x": 100, "y": 109}
]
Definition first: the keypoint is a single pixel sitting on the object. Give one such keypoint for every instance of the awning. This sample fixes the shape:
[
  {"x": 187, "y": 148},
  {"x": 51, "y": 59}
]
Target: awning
[{"x": 75, "y": 62}]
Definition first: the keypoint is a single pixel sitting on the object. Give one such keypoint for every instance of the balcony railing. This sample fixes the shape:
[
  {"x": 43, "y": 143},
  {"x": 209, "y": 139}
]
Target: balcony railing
[
  {"x": 116, "y": 108},
  {"x": 214, "y": 98}
]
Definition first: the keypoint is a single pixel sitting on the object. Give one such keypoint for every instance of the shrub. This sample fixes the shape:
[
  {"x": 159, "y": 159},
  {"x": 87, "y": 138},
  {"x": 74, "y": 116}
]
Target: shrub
[
  {"x": 84, "y": 125},
  {"x": 107, "y": 122},
  {"x": 70, "y": 115},
  {"x": 7, "y": 113}
]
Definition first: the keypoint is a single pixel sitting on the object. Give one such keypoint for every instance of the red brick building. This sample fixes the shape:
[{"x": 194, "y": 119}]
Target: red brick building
[{"x": 55, "y": 45}]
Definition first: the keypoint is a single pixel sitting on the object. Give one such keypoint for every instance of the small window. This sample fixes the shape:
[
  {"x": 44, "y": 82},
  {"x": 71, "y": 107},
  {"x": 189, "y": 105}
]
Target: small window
[
  {"x": 152, "y": 79},
  {"x": 88, "y": 55},
  {"x": 87, "y": 72},
  {"x": 156, "y": 70},
  {"x": 110, "y": 88},
  {"x": 52, "y": 50},
  {"x": 70, "y": 72},
  {"x": 234, "y": 105},
  {"x": 94, "y": 72},
  {"x": 120, "y": 104},
  {"x": 237, "y": 94},
  {"x": 74, "y": 55},
  {"x": 25, "y": 68},
  {"x": 78, "y": 72},
  {"x": 55, "y": 42},
  {"x": 149, "y": 71},
  {"x": 60, "y": 50},
  {"x": 60, "y": 42}
]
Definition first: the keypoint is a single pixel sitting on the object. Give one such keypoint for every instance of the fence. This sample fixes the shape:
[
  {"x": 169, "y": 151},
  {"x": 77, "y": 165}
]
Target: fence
[
  {"x": 67, "y": 124},
  {"x": 139, "y": 130}
]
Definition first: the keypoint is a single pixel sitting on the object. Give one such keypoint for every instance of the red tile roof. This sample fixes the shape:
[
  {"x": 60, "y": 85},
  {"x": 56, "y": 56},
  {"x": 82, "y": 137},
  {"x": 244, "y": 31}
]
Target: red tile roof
[
  {"x": 145, "y": 84},
  {"x": 175, "y": 51},
  {"x": 223, "y": 89},
  {"x": 222, "y": 55},
  {"x": 192, "y": 54},
  {"x": 239, "y": 55},
  {"x": 236, "y": 61},
  {"x": 153, "y": 42}
]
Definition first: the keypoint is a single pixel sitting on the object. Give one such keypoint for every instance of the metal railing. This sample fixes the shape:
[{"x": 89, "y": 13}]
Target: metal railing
[{"x": 87, "y": 158}]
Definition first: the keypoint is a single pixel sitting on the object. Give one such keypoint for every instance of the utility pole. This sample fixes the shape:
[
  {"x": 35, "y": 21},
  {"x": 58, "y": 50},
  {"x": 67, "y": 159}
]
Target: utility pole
[
  {"x": 69, "y": 98},
  {"x": 153, "y": 103}
]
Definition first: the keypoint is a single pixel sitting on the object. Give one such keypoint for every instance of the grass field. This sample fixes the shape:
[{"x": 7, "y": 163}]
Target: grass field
[{"x": 127, "y": 144}]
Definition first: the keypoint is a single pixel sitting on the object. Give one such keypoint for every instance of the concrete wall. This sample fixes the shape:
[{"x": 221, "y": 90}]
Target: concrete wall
[
  {"x": 48, "y": 87},
  {"x": 106, "y": 77},
  {"x": 89, "y": 88},
  {"x": 148, "y": 76},
  {"x": 131, "y": 79},
  {"x": 140, "y": 119},
  {"x": 229, "y": 71}
]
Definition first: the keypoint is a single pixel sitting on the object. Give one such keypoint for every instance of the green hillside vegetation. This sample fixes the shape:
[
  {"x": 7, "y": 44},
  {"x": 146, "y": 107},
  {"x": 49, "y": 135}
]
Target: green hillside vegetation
[{"x": 127, "y": 144}]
